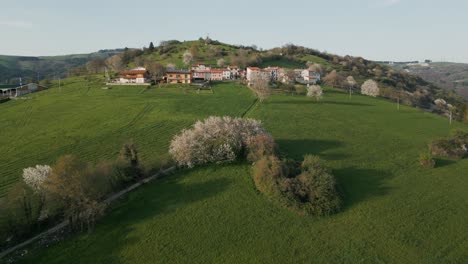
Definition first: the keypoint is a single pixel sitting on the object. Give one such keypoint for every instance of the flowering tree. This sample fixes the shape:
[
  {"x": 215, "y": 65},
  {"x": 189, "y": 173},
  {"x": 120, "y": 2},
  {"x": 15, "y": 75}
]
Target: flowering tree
[
  {"x": 216, "y": 139},
  {"x": 445, "y": 108},
  {"x": 350, "y": 82},
  {"x": 35, "y": 177},
  {"x": 370, "y": 88},
  {"x": 187, "y": 58},
  {"x": 221, "y": 62},
  {"x": 315, "y": 91},
  {"x": 440, "y": 103}
]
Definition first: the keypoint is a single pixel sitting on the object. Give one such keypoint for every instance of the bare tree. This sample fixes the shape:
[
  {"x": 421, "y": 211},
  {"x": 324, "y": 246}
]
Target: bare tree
[
  {"x": 115, "y": 63},
  {"x": 156, "y": 70},
  {"x": 261, "y": 86},
  {"x": 95, "y": 66},
  {"x": 78, "y": 187},
  {"x": 333, "y": 79}
]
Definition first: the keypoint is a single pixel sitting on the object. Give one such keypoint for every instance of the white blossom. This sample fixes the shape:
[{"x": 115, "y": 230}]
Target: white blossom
[
  {"x": 315, "y": 91},
  {"x": 216, "y": 139},
  {"x": 34, "y": 177},
  {"x": 370, "y": 88}
]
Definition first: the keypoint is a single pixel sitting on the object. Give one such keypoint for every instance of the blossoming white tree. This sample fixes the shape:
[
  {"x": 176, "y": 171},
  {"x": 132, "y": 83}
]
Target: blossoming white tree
[
  {"x": 350, "y": 82},
  {"x": 216, "y": 139},
  {"x": 315, "y": 91},
  {"x": 370, "y": 88},
  {"x": 35, "y": 177}
]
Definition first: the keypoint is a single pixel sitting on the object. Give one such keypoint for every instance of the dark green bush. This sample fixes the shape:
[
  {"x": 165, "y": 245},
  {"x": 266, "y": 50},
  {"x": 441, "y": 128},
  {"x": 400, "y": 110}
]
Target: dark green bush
[
  {"x": 128, "y": 167},
  {"x": 314, "y": 190},
  {"x": 309, "y": 187}
]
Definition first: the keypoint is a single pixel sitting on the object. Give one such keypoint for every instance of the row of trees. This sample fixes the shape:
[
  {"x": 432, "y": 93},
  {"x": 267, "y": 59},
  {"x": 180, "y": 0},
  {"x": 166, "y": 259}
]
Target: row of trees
[{"x": 71, "y": 189}]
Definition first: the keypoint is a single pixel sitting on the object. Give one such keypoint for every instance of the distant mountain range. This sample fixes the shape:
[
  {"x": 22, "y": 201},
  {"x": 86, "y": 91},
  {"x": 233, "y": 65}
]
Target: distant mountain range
[{"x": 45, "y": 67}]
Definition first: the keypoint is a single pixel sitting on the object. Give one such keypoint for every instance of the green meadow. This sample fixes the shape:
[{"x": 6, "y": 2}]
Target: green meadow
[
  {"x": 84, "y": 119},
  {"x": 395, "y": 211}
]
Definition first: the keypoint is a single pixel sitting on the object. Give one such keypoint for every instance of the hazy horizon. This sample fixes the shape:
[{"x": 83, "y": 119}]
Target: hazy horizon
[{"x": 393, "y": 30}]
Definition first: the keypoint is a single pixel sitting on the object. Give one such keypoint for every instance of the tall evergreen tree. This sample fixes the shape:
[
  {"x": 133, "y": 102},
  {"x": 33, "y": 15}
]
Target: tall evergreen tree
[{"x": 151, "y": 47}]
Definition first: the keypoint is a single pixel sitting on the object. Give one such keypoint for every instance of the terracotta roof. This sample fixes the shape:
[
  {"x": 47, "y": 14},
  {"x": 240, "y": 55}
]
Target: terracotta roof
[
  {"x": 133, "y": 72},
  {"x": 253, "y": 68}
]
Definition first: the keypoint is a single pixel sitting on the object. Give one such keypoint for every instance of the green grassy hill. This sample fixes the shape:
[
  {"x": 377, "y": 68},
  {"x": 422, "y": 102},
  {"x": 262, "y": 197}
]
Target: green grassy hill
[
  {"x": 83, "y": 119},
  {"x": 395, "y": 211},
  {"x": 47, "y": 67}
]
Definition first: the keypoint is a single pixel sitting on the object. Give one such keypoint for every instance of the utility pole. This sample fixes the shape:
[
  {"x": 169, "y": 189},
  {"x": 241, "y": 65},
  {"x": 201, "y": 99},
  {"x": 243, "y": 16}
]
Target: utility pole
[{"x": 450, "y": 117}]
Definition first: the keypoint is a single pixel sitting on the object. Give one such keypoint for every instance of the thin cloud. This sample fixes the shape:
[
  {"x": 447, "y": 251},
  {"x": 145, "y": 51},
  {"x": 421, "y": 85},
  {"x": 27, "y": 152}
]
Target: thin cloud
[{"x": 16, "y": 24}]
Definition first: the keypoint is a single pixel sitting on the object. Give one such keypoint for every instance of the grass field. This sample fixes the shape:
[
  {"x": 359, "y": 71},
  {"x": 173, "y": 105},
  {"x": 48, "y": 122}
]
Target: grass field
[
  {"x": 395, "y": 211},
  {"x": 93, "y": 123}
]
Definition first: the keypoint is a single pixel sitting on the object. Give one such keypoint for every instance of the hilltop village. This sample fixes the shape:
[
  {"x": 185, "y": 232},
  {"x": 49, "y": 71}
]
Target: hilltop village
[{"x": 202, "y": 72}]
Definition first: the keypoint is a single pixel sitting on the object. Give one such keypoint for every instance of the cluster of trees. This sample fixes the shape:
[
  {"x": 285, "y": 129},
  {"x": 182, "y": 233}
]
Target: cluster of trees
[
  {"x": 71, "y": 189},
  {"x": 309, "y": 187}
]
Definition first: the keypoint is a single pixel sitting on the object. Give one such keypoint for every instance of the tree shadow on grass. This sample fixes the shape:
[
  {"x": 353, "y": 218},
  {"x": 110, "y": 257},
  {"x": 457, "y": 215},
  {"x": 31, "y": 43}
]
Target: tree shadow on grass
[
  {"x": 358, "y": 185},
  {"x": 121, "y": 227},
  {"x": 298, "y": 148},
  {"x": 312, "y": 101},
  {"x": 444, "y": 162}
]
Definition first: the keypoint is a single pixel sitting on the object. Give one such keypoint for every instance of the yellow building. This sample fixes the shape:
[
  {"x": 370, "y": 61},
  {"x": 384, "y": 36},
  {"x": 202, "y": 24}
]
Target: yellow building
[{"x": 178, "y": 76}]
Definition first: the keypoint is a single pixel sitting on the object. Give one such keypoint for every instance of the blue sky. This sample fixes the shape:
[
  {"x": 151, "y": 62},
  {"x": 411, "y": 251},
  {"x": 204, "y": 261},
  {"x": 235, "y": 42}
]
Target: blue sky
[{"x": 374, "y": 29}]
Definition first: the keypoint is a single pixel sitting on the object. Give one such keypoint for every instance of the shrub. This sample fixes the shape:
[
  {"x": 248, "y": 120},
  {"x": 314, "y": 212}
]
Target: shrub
[
  {"x": 313, "y": 190},
  {"x": 267, "y": 174},
  {"x": 456, "y": 146},
  {"x": 20, "y": 211},
  {"x": 216, "y": 139},
  {"x": 78, "y": 188},
  {"x": 128, "y": 165},
  {"x": 259, "y": 146},
  {"x": 426, "y": 160}
]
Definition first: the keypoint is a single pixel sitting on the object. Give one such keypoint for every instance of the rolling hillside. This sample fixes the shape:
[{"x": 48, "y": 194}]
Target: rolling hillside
[
  {"x": 450, "y": 76},
  {"x": 395, "y": 210},
  {"x": 46, "y": 67}
]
